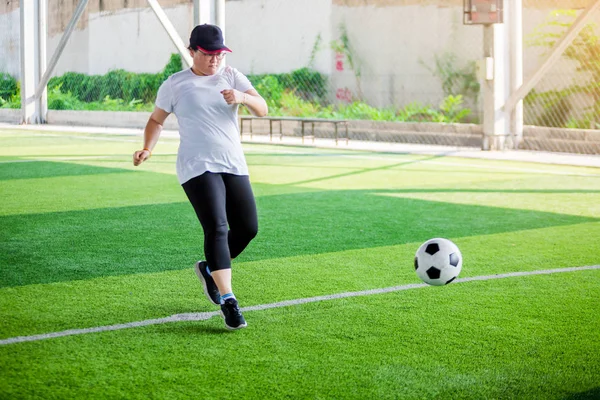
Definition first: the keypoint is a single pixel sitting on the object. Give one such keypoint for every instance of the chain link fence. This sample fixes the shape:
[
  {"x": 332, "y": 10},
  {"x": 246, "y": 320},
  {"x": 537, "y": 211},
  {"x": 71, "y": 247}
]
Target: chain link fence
[
  {"x": 567, "y": 99},
  {"x": 568, "y": 95},
  {"x": 400, "y": 71}
]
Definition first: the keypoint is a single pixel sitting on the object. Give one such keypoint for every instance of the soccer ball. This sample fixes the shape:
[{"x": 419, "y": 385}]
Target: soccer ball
[{"x": 438, "y": 262}]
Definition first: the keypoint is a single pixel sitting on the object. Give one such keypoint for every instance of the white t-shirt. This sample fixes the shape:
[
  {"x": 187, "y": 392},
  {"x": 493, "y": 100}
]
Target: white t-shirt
[{"x": 208, "y": 126}]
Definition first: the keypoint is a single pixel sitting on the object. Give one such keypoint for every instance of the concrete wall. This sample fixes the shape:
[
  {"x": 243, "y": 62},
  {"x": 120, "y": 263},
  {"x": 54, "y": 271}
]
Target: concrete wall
[
  {"x": 10, "y": 22},
  {"x": 106, "y": 119},
  {"x": 133, "y": 40},
  {"x": 275, "y": 36},
  {"x": 10, "y": 116},
  {"x": 394, "y": 42},
  {"x": 394, "y": 48}
]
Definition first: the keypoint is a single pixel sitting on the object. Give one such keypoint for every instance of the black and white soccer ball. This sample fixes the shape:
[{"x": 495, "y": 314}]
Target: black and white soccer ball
[{"x": 438, "y": 261}]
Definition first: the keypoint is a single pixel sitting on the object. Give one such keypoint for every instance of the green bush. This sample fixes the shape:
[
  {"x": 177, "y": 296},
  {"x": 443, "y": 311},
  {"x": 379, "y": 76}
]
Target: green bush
[
  {"x": 305, "y": 82},
  {"x": 58, "y": 100},
  {"x": 361, "y": 110},
  {"x": 8, "y": 86},
  {"x": 10, "y": 91},
  {"x": 450, "y": 110},
  {"x": 294, "y": 106},
  {"x": 588, "y": 120},
  {"x": 301, "y": 93},
  {"x": 118, "y": 90},
  {"x": 270, "y": 88},
  {"x": 308, "y": 84},
  {"x": 174, "y": 65},
  {"x": 116, "y": 84}
]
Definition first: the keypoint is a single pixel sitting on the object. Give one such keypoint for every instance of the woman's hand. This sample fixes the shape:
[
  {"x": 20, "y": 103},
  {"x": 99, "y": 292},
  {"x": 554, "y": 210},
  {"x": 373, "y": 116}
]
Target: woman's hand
[
  {"x": 140, "y": 156},
  {"x": 233, "y": 96}
]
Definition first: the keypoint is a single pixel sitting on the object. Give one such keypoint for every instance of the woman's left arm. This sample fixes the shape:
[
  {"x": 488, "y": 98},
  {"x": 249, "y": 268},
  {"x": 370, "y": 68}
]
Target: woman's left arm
[
  {"x": 250, "y": 98},
  {"x": 255, "y": 103}
]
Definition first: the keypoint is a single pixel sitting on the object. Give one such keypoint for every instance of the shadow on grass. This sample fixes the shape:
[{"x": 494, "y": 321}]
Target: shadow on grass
[
  {"x": 63, "y": 246},
  {"x": 49, "y": 169},
  {"x": 592, "y": 394}
]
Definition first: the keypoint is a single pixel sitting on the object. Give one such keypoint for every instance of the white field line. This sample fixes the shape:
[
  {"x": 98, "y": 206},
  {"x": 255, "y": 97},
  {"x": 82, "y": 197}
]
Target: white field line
[{"x": 203, "y": 316}]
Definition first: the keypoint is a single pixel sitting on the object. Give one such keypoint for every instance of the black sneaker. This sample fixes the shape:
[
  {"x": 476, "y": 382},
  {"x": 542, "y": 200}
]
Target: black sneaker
[
  {"x": 232, "y": 315},
  {"x": 210, "y": 288}
]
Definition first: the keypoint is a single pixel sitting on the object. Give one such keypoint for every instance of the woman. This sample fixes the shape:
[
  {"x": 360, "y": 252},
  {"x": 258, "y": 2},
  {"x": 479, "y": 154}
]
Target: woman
[{"x": 211, "y": 165}]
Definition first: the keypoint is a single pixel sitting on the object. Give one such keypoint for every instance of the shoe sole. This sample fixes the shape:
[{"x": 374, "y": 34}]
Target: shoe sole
[
  {"x": 231, "y": 328},
  {"x": 201, "y": 277}
]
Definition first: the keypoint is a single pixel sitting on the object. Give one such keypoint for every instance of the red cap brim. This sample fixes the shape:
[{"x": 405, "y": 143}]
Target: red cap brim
[{"x": 223, "y": 50}]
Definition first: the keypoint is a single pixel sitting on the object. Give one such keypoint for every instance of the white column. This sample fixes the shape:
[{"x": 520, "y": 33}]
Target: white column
[
  {"x": 514, "y": 14},
  {"x": 220, "y": 15},
  {"x": 220, "y": 22},
  {"x": 196, "y": 12},
  {"x": 201, "y": 12},
  {"x": 495, "y": 124},
  {"x": 28, "y": 61},
  {"x": 42, "y": 102}
]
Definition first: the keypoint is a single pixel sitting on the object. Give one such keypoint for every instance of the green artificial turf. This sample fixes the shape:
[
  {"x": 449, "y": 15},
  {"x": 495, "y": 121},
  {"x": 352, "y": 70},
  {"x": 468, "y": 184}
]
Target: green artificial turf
[{"x": 87, "y": 240}]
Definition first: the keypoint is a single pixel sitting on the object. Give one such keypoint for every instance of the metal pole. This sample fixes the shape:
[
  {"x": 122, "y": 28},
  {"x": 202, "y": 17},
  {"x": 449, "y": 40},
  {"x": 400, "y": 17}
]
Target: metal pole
[
  {"x": 515, "y": 25},
  {"x": 220, "y": 14},
  {"x": 166, "y": 23},
  {"x": 488, "y": 87},
  {"x": 555, "y": 54},
  {"x": 28, "y": 77},
  {"x": 61, "y": 46},
  {"x": 196, "y": 12},
  {"x": 220, "y": 21},
  {"x": 42, "y": 103},
  {"x": 202, "y": 11},
  {"x": 494, "y": 87}
]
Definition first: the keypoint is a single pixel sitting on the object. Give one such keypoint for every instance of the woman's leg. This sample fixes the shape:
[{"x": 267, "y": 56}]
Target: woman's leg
[
  {"x": 217, "y": 198},
  {"x": 241, "y": 212},
  {"x": 243, "y": 223},
  {"x": 207, "y": 195},
  {"x": 222, "y": 201}
]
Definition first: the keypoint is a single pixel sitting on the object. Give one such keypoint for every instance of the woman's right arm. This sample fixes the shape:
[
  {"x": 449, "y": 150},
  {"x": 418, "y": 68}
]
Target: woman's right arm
[{"x": 151, "y": 135}]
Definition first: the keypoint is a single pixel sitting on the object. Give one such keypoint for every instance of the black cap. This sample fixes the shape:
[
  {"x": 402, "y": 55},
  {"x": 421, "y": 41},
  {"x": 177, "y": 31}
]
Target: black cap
[{"x": 208, "y": 38}]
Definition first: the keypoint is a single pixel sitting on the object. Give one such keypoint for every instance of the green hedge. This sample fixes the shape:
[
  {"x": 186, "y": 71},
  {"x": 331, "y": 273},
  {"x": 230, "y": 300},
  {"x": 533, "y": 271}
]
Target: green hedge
[
  {"x": 301, "y": 93},
  {"x": 8, "y": 86},
  {"x": 116, "y": 84},
  {"x": 305, "y": 83}
]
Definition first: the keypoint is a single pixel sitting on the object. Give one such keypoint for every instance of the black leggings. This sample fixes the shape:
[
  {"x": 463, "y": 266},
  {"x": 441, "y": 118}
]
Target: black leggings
[{"x": 225, "y": 206}]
